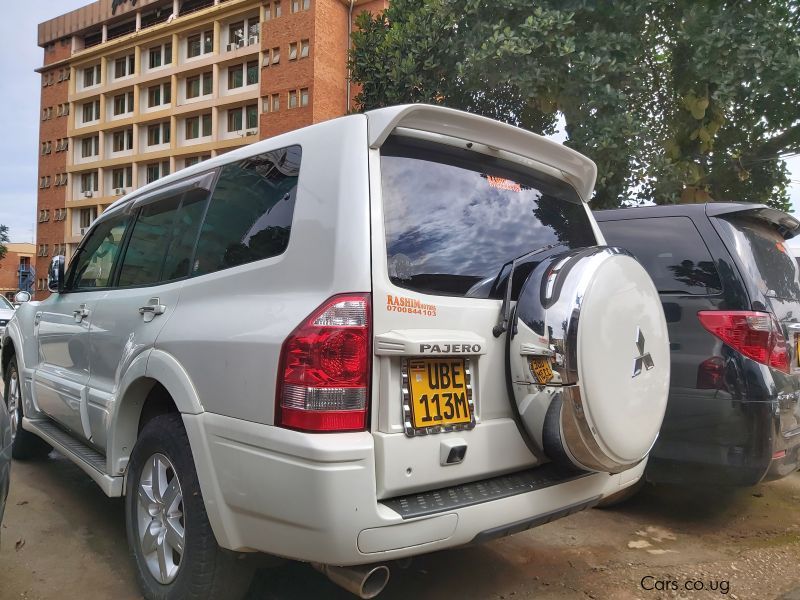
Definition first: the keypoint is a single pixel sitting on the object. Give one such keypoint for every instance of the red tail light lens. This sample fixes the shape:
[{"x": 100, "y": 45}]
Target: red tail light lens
[
  {"x": 757, "y": 335},
  {"x": 324, "y": 371}
]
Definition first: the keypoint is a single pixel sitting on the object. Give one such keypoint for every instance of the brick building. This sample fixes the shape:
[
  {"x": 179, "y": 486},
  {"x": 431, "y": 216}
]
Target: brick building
[
  {"x": 135, "y": 89},
  {"x": 15, "y": 268}
]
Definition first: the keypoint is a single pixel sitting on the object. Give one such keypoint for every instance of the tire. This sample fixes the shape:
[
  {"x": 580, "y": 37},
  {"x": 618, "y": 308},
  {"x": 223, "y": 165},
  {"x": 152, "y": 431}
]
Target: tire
[
  {"x": 25, "y": 445},
  {"x": 622, "y": 496},
  {"x": 203, "y": 571}
]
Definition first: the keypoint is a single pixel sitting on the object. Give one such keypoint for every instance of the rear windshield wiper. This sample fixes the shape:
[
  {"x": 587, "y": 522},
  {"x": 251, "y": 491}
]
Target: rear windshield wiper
[{"x": 505, "y": 310}]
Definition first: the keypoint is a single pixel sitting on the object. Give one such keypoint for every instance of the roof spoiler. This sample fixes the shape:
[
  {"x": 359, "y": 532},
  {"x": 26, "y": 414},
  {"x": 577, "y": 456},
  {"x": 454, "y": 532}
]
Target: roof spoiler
[
  {"x": 578, "y": 170},
  {"x": 786, "y": 224}
]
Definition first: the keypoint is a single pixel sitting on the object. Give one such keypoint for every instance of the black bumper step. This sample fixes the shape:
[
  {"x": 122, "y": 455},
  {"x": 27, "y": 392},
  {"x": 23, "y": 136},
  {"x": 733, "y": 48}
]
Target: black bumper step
[{"x": 478, "y": 492}]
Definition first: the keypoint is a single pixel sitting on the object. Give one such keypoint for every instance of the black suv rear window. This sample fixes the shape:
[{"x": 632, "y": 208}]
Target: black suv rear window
[
  {"x": 454, "y": 217},
  {"x": 670, "y": 249},
  {"x": 762, "y": 254}
]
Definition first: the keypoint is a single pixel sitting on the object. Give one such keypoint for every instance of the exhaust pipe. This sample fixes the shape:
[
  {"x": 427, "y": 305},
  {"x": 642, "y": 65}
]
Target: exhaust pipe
[{"x": 365, "y": 581}]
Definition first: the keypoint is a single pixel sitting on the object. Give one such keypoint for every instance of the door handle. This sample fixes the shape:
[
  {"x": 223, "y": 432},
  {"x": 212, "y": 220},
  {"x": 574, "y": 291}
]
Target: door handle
[
  {"x": 81, "y": 313},
  {"x": 152, "y": 309}
]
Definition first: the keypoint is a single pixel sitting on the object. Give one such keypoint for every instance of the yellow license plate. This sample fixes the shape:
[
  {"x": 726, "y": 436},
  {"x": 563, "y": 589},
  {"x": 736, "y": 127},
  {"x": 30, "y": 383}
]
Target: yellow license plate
[
  {"x": 540, "y": 367},
  {"x": 438, "y": 392}
]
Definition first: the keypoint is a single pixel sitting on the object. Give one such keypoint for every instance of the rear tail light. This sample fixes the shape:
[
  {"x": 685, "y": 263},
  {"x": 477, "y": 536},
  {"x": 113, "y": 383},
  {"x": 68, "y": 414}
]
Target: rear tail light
[
  {"x": 757, "y": 335},
  {"x": 324, "y": 371}
]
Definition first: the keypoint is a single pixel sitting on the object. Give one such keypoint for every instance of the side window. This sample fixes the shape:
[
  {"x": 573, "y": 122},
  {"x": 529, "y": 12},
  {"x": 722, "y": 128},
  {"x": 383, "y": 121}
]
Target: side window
[
  {"x": 670, "y": 249},
  {"x": 163, "y": 239},
  {"x": 249, "y": 217},
  {"x": 92, "y": 265},
  {"x": 147, "y": 248}
]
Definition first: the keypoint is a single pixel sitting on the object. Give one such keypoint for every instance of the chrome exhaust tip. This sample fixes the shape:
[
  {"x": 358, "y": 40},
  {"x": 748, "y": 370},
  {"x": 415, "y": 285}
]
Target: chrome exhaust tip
[{"x": 365, "y": 581}]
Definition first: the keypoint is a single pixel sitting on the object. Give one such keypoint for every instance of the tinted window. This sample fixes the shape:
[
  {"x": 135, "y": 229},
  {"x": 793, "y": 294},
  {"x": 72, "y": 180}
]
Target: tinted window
[
  {"x": 93, "y": 262},
  {"x": 454, "y": 217},
  {"x": 763, "y": 256},
  {"x": 250, "y": 214},
  {"x": 147, "y": 247},
  {"x": 184, "y": 236},
  {"x": 670, "y": 249}
]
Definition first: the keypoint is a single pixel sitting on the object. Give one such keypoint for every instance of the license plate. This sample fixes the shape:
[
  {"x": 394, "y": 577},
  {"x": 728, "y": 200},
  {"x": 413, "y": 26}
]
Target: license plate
[
  {"x": 540, "y": 367},
  {"x": 439, "y": 395}
]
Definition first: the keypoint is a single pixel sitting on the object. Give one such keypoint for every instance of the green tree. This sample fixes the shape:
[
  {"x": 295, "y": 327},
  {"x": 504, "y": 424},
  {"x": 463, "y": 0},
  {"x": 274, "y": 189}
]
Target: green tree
[
  {"x": 3, "y": 241},
  {"x": 677, "y": 100}
]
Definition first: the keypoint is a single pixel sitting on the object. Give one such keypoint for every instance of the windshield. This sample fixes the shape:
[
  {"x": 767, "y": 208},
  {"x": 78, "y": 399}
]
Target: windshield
[
  {"x": 454, "y": 217},
  {"x": 4, "y": 303}
]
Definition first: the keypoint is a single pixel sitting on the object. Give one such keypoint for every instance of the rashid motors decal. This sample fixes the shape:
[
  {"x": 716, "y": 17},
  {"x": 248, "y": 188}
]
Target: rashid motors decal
[{"x": 402, "y": 304}]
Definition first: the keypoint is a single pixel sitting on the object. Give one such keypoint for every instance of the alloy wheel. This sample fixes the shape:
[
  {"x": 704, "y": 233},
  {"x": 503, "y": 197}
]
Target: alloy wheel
[{"x": 162, "y": 537}]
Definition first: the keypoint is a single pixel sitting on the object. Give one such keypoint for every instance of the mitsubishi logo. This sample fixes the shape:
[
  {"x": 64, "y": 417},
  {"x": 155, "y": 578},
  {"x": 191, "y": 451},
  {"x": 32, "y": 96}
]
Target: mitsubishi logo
[{"x": 643, "y": 358}]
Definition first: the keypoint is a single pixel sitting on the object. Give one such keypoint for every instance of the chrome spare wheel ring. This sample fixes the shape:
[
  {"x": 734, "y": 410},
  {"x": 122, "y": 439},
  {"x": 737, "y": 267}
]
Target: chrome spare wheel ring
[
  {"x": 159, "y": 511},
  {"x": 14, "y": 400}
]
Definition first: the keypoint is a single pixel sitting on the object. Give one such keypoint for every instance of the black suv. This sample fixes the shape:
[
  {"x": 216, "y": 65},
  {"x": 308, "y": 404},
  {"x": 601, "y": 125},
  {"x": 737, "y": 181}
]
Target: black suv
[{"x": 731, "y": 297}]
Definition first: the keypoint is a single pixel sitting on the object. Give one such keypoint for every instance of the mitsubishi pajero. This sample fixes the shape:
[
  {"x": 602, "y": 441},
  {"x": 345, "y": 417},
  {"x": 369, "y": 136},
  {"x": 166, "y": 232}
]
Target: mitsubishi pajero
[{"x": 379, "y": 336}]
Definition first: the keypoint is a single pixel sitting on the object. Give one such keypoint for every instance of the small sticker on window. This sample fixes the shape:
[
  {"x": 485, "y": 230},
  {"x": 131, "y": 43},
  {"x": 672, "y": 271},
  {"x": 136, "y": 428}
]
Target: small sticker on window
[{"x": 503, "y": 184}]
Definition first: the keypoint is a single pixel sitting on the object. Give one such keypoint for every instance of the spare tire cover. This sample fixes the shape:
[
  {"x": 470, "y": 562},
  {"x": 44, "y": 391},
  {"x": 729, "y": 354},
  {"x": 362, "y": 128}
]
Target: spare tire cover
[{"x": 595, "y": 317}]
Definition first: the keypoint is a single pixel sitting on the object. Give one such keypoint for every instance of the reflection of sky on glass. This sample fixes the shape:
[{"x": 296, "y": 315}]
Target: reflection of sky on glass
[{"x": 445, "y": 219}]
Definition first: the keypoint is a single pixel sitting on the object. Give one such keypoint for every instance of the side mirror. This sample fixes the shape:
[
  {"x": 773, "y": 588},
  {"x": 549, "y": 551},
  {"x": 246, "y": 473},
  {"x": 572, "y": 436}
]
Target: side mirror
[
  {"x": 55, "y": 274},
  {"x": 21, "y": 297}
]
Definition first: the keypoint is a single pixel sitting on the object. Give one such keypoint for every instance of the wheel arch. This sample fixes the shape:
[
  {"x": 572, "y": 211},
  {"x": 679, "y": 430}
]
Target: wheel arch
[{"x": 154, "y": 384}]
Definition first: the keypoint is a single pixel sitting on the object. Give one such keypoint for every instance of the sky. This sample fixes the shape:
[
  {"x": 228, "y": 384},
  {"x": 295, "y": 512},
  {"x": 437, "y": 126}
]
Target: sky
[{"x": 19, "y": 116}]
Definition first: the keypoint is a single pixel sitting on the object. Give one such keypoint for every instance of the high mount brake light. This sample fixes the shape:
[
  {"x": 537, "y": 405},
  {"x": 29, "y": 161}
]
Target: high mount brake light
[
  {"x": 324, "y": 372},
  {"x": 757, "y": 335}
]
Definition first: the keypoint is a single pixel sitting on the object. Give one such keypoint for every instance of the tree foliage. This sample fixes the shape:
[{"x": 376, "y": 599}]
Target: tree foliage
[
  {"x": 3, "y": 241},
  {"x": 674, "y": 101}
]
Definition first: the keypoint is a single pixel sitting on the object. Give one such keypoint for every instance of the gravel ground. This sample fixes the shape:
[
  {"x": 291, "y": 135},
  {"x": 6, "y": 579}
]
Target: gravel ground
[{"x": 62, "y": 539}]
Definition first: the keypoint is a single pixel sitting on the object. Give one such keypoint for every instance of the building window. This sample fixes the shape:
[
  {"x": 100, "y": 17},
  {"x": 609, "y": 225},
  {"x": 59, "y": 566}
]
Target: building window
[
  {"x": 251, "y": 116},
  {"x": 276, "y": 102},
  {"x": 47, "y": 148},
  {"x": 123, "y": 104},
  {"x": 306, "y": 4},
  {"x": 199, "y": 126},
  {"x": 90, "y": 146},
  {"x": 276, "y": 8},
  {"x": 89, "y": 182},
  {"x": 190, "y": 161},
  {"x": 235, "y": 76},
  {"x": 160, "y": 56},
  {"x": 293, "y": 51},
  {"x": 275, "y": 56},
  {"x": 295, "y": 4},
  {"x": 304, "y": 97},
  {"x": 86, "y": 216},
  {"x": 122, "y": 178},
  {"x": 91, "y": 111},
  {"x": 236, "y": 34},
  {"x": 200, "y": 43},
  {"x": 159, "y": 94},
  {"x": 157, "y": 171},
  {"x": 199, "y": 85},
  {"x": 304, "y": 48},
  {"x": 252, "y": 72},
  {"x": 293, "y": 99},
  {"x": 158, "y": 134},
  {"x": 124, "y": 66},
  {"x": 234, "y": 120},
  {"x": 92, "y": 76},
  {"x": 123, "y": 140}
]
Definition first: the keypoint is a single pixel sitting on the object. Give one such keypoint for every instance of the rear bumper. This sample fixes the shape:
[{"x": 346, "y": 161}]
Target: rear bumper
[
  {"x": 709, "y": 438},
  {"x": 313, "y": 498}
]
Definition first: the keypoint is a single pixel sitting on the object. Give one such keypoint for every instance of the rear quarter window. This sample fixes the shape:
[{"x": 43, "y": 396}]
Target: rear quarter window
[
  {"x": 762, "y": 254},
  {"x": 249, "y": 217},
  {"x": 670, "y": 249}
]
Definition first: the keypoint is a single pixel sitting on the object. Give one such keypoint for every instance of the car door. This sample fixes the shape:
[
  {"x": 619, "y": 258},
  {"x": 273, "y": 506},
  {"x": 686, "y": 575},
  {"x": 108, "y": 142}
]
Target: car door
[
  {"x": 154, "y": 262},
  {"x": 63, "y": 327}
]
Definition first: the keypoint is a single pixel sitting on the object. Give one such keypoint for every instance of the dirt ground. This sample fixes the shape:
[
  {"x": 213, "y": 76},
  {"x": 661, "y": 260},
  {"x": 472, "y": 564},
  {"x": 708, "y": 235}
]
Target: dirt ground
[{"x": 63, "y": 539}]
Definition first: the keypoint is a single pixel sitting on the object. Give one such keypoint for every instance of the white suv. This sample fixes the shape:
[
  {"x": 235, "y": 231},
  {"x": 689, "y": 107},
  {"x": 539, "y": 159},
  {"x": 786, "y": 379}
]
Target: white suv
[{"x": 376, "y": 337}]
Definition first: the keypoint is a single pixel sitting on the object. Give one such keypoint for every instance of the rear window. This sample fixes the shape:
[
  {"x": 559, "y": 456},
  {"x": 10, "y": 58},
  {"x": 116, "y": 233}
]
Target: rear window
[
  {"x": 454, "y": 217},
  {"x": 670, "y": 249},
  {"x": 763, "y": 256}
]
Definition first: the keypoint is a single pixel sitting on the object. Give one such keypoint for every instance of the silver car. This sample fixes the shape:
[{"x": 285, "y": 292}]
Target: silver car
[
  {"x": 5, "y": 458},
  {"x": 6, "y": 312}
]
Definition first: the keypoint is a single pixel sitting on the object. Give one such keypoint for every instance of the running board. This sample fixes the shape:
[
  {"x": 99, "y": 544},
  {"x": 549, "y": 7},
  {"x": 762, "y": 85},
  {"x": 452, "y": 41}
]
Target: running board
[{"x": 88, "y": 459}]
